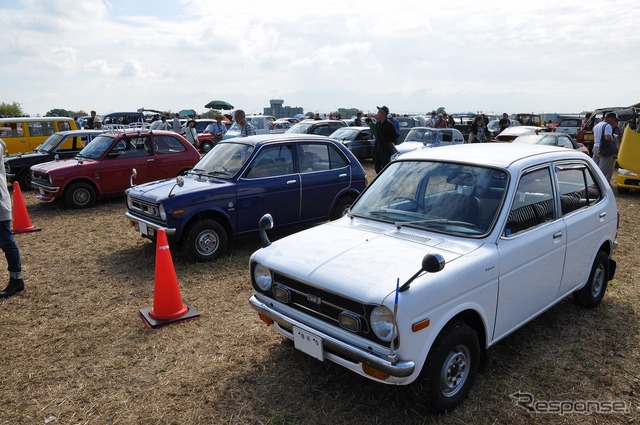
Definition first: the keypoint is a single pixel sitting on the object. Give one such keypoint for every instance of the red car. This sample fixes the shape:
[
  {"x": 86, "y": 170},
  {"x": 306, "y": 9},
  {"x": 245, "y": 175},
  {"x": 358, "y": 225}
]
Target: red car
[{"x": 105, "y": 166}]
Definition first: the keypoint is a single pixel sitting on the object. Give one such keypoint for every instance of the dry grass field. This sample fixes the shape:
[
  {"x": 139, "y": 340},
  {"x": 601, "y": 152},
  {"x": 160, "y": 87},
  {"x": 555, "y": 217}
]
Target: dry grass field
[{"x": 75, "y": 351}]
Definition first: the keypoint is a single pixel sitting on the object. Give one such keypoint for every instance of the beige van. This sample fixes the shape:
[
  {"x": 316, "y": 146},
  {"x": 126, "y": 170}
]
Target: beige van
[{"x": 24, "y": 134}]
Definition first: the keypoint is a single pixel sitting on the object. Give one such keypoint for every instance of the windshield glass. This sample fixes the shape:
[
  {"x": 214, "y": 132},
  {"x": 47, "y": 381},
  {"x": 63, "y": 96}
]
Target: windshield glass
[
  {"x": 97, "y": 147},
  {"x": 300, "y": 128},
  {"x": 344, "y": 134},
  {"x": 423, "y": 135},
  {"x": 444, "y": 197},
  {"x": 224, "y": 160},
  {"x": 535, "y": 139},
  {"x": 50, "y": 144}
]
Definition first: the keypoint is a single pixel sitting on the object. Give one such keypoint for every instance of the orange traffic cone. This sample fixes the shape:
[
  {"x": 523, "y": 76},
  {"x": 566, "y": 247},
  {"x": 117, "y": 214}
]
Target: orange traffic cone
[
  {"x": 167, "y": 301},
  {"x": 21, "y": 221}
]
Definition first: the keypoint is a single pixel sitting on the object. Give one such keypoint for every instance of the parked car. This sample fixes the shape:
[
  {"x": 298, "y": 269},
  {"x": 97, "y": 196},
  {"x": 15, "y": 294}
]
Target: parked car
[
  {"x": 24, "y": 134},
  {"x": 408, "y": 123},
  {"x": 280, "y": 126},
  {"x": 628, "y": 173},
  {"x": 494, "y": 127},
  {"x": 446, "y": 252},
  {"x": 626, "y": 115},
  {"x": 534, "y": 120},
  {"x": 296, "y": 178},
  {"x": 568, "y": 126},
  {"x": 358, "y": 140},
  {"x": 320, "y": 127},
  {"x": 61, "y": 145},
  {"x": 510, "y": 133},
  {"x": 262, "y": 124},
  {"x": 104, "y": 167},
  {"x": 551, "y": 139},
  {"x": 428, "y": 137},
  {"x": 122, "y": 118}
]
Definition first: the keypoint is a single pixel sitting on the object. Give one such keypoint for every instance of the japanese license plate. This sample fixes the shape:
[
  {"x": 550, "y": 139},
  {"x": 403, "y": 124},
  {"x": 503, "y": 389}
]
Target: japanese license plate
[
  {"x": 308, "y": 343},
  {"x": 143, "y": 229}
]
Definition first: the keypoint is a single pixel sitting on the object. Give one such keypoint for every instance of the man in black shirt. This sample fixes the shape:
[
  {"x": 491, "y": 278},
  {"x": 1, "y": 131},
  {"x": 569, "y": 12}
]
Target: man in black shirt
[
  {"x": 504, "y": 122},
  {"x": 384, "y": 146}
]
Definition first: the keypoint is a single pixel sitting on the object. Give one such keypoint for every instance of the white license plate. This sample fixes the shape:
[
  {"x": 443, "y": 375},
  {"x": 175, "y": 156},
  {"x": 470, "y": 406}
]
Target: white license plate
[
  {"x": 143, "y": 229},
  {"x": 308, "y": 343}
]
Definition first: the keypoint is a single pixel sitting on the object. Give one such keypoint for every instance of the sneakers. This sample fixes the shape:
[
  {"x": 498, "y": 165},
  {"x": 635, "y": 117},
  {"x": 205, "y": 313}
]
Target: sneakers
[{"x": 14, "y": 286}]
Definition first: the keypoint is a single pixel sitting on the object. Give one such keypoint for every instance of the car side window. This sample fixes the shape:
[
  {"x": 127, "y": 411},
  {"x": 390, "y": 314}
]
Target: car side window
[
  {"x": 272, "y": 161},
  {"x": 322, "y": 130},
  {"x": 63, "y": 126},
  {"x": 68, "y": 144},
  {"x": 533, "y": 204},
  {"x": 319, "y": 157},
  {"x": 167, "y": 145},
  {"x": 577, "y": 186},
  {"x": 11, "y": 129},
  {"x": 133, "y": 147},
  {"x": 565, "y": 142}
]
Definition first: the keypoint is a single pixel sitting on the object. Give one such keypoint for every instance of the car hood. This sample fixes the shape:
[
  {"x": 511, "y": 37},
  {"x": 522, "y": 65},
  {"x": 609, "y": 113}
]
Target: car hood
[
  {"x": 48, "y": 167},
  {"x": 343, "y": 251},
  {"x": 159, "y": 190}
]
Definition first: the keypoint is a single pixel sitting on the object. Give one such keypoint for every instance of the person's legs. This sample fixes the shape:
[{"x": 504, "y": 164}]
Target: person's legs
[{"x": 14, "y": 264}]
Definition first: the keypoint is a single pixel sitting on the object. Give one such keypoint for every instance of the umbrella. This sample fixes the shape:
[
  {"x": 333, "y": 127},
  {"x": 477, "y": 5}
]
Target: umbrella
[
  {"x": 219, "y": 104},
  {"x": 298, "y": 116},
  {"x": 187, "y": 113}
]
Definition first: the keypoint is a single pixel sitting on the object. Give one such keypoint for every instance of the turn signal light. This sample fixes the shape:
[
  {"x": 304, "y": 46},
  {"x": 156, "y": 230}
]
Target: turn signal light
[
  {"x": 374, "y": 372},
  {"x": 420, "y": 325},
  {"x": 265, "y": 319}
]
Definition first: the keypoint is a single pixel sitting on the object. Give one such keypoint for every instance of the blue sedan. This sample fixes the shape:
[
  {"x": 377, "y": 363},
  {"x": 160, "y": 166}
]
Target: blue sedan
[{"x": 297, "y": 178}]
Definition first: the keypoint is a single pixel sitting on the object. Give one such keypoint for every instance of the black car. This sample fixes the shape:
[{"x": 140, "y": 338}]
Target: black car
[{"x": 63, "y": 144}]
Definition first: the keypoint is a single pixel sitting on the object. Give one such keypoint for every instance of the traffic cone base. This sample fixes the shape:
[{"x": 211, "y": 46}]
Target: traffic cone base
[
  {"x": 167, "y": 301},
  {"x": 151, "y": 323},
  {"x": 21, "y": 220}
]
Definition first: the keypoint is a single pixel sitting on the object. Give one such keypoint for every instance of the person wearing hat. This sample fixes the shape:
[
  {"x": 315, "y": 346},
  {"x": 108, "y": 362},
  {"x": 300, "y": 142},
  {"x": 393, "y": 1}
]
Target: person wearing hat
[
  {"x": 384, "y": 146},
  {"x": 603, "y": 135},
  {"x": 218, "y": 128},
  {"x": 97, "y": 123}
]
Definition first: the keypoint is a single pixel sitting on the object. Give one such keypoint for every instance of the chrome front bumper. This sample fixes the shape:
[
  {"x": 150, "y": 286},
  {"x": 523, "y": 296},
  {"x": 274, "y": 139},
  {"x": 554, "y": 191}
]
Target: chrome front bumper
[
  {"x": 401, "y": 369},
  {"x": 150, "y": 224}
]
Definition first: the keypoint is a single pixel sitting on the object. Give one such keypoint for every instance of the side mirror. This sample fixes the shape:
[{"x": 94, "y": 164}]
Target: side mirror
[
  {"x": 134, "y": 174},
  {"x": 265, "y": 223},
  {"x": 431, "y": 263}
]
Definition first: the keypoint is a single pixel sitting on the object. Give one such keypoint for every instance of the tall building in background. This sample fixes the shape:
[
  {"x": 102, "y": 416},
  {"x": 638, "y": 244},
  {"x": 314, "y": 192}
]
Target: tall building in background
[{"x": 279, "y": 111}]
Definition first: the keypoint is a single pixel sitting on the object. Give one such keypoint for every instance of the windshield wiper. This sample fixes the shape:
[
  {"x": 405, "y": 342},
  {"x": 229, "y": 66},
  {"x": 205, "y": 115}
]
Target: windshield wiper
[{"x": 439, "y": 222}]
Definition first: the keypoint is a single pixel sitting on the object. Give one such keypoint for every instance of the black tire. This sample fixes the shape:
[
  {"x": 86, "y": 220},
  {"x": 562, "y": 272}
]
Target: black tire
[
  {"x": 591, "y": 294},
  {"x": 342, "y": 207},
  {"x": 205, "y": 240},
  {"x": 80, "y": 195},
  {"x": 206, "y": 146},
  {"x": 24, "y": 179},
  {"x": 451, "y": 367},
  {"x": 623, "y": 190}
]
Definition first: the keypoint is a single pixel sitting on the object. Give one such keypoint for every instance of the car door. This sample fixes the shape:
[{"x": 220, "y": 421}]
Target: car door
[
  {"x": 324, "y": 173},
  {"x": 532, "y": 253},
  {"x": 118, "y": 163},
  {"x": 580, "y": 195},
  {"x": 268, "y": 185}
]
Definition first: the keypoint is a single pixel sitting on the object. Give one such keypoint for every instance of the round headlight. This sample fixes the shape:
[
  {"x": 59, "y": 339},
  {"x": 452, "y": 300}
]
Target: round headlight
[
  {"x": 262, "y": 277},
  {"x": 382, "y": 323},
  {"x": 163, "y": 213}
]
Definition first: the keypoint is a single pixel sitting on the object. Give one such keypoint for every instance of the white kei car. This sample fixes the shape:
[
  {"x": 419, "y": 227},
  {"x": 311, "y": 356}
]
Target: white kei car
[{"x": 447, "y": 252}]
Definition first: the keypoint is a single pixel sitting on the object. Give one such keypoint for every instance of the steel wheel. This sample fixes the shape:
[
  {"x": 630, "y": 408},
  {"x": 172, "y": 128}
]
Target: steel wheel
[{"x": 455, "y": 371}]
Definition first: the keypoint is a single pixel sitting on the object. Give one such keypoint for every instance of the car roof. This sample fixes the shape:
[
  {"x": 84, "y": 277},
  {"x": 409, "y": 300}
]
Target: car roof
[
  {"x": 261, "y": 139},
  {"x": 72, "y": 132},
  {"x": 500, "y": 155},
  {"x": 34, "y": 119}
]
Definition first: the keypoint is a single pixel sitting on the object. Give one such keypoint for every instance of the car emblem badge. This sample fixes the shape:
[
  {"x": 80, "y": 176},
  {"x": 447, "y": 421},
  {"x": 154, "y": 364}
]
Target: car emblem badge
[{"x": 314, "y": 299}]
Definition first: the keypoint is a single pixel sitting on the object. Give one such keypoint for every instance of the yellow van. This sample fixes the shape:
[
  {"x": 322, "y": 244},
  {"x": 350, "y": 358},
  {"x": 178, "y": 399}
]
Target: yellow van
[{"x": 24, "y": 134}]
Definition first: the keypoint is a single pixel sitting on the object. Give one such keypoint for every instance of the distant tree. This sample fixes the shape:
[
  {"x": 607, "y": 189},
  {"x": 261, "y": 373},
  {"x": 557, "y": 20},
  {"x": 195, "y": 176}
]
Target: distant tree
[
  {"x": 348, "y": 112},
  {"x": 61, "y": 113},
  {"x": 209, "y": 114},
  {"x": 11, "y": 109}
]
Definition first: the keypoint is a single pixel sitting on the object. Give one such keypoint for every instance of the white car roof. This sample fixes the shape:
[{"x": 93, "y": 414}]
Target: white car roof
[{"x": 500, "y": 155}]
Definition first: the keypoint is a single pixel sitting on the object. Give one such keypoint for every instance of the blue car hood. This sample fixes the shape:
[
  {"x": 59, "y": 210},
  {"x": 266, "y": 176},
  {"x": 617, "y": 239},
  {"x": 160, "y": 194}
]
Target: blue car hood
[{"x": 193, "y": 185}]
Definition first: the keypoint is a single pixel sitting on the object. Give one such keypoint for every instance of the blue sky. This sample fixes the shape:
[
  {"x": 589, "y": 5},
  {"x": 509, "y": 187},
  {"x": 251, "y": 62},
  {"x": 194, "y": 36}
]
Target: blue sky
[{"x": 414, "y": 56}]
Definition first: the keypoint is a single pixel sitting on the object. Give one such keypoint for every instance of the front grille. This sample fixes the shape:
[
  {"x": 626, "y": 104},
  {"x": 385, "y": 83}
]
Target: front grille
[
  {"x": 148, "y": 209},
  {"x": 325, "y": 305},
  {"x": 40, "y": 176},
  {"x": 632, "y": 182}
]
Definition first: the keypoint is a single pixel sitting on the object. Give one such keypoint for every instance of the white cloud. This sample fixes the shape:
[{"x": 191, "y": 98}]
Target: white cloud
[{"x": 413, "y": 56}]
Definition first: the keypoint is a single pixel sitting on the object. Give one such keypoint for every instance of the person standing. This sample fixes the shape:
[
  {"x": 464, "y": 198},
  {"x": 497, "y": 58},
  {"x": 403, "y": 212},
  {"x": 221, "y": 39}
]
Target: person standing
[
  {"x": 504, "y": 122},
  {"x": 604, "y": 131},
  {"x": 177, "y": 125},
  {"x": 7, "y": 241},
  {"x": 246, "y": 129},
  {"x": 191, "y": 134},
  {"x": 372, "y": 127},
  {"x": 164, "y": 125},
  {"x": 357, "y": 122},
  {"x": 218, "y": 129},
  {"x": 477, "y": 130},
  {"x": 90, "y": 120},
  {"x": 384, "y": 146},
  {"x": 396, "y": 125}
]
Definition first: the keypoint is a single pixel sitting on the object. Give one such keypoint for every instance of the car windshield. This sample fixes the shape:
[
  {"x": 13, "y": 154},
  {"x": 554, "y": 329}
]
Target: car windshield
[
  {"x": 444, "y": 197},
  {"x": 344, "y": 134},
  {"x": 423, "y": 135},
  {"x": 301, "y": 128},
  {"x": 97, "y": 147},
  {"x": 535, "y": 139},
  {"x": 50, "y": 144},
  {"x": 224, "y": 160}
]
